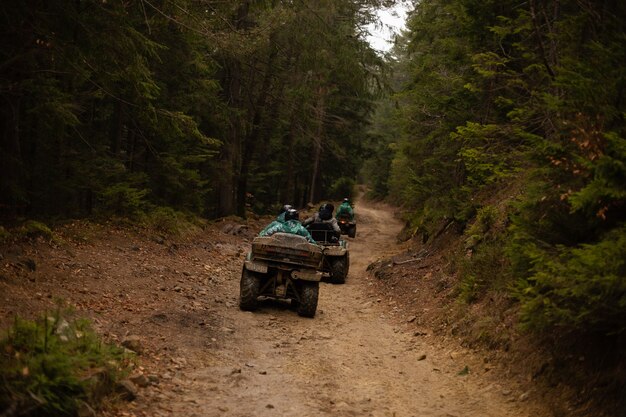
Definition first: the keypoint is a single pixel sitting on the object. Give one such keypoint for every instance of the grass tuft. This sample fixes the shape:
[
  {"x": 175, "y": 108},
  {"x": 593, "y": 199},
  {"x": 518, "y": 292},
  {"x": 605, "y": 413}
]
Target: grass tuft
[{"x": 54, "y": 366}]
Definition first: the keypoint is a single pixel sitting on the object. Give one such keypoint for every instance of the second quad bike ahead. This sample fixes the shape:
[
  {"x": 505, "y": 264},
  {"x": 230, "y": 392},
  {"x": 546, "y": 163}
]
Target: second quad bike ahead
[
  {"x": 282, "y": 266},
  {"x": 336, "y": 261},
  {"x": 347, "y": 226}
]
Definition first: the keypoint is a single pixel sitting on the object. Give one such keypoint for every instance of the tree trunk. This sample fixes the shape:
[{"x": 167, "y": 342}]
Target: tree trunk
[
  {"x": 226, "y": 186},
  {"x": 231, "y": 151},
  {"x": 251, "y": 140},
  {"x": 317, "y": 143},
  {"x": 540, "y": 43},
  {"x": 10, "y": 159},
  {"x": 117, "y": 130},
  {"x": 288, "y": 187},
  {"x": 131, "y": 150}
]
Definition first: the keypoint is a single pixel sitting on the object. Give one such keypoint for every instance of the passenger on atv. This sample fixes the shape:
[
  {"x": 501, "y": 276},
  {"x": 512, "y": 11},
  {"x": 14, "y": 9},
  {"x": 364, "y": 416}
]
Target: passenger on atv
[
  {"x": 324, "y": 216},
  {"x": 290, "y": 225},
  {"x": 280, "y": 218},
  {"x": 284, "y": 263},
  {"x": 325, "y": 230},
  {"x": 283, "y": 211}
]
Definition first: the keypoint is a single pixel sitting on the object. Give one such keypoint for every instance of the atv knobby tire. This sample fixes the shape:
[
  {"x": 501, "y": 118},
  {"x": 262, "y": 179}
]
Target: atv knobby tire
[
  {"x": 249, "y": 290},
  {"x": 308, "y": 298},
  {"x": 339, "y": 269},
  {"x": 352, "y": 231}
]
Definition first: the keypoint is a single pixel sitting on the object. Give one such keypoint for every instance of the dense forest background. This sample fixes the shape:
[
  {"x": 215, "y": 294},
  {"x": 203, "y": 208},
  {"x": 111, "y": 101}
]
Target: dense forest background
[
  {"x": 202, "y": 107},
  {"x": 504, "y": 119}
]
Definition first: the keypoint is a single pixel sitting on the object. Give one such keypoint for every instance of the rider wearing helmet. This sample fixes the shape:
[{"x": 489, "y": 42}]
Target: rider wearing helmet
[
  {"x": 283, "y": 210},
  {"x": 290, "y": 225},
  {"x": 345, "y": 210},
  {"x": 281, "y": 216},
  {"x": 324, "y": 215}
]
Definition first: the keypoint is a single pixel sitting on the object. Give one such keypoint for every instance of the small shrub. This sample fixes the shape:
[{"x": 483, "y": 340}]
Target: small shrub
[
  {"x": 341, "y": 188},
  {"x": 170, "y": 221},
  {"x": 34, "y": 229},
  {"x": 52, "y": 366},
  {"x": 581, "y": 288},
  {"x": 123, "y": 199},
  {"x": 485, "y": 219},
  {"x": 470, "y": 288},
  {"x": 487, "y": 269},
  {"x": 4, "y": 234}
]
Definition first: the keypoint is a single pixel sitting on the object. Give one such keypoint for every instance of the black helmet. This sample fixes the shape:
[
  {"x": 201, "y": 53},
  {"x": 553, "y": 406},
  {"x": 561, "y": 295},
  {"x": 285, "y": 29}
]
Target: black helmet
[
  {"x": 346, "y": 200},
  {"x": 326, "y": 211},
  {"x": 292, "y": 214},
  {"x": 285, "y": 208}
]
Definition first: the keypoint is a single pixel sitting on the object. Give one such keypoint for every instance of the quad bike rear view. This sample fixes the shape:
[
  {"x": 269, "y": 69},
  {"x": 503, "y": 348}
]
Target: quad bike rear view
[
  {"x": 282, "y": 266},
  {"x": 336, "y": 260},
  {"x": 347, "y": 225}
]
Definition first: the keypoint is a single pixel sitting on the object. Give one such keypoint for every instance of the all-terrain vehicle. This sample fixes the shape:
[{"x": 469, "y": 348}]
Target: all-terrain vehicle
[
  {"x": 336, "y": 260},
  {"x": 282, "y": 266},
  {"x": 347, "y": 225}
]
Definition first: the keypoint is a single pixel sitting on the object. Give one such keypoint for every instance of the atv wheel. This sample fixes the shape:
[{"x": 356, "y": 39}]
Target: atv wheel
[
  {"x": 339, "y": 270},
  {"x": 308, "y": 298},
  {"x": 249, "y": 289},
  {"x": 352, "y": 231}
]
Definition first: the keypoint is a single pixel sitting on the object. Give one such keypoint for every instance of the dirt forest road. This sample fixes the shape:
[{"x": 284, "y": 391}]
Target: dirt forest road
[
  {"x": 176, "y": 302},
  {"x": 350, "y": 360}
]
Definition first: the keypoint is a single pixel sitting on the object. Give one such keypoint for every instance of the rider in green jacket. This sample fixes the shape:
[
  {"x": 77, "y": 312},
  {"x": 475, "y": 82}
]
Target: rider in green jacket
[
  {"x": 345, "y": 210},
  {"x": 290, "y": 225},
  {"x": 280, "y": 218}
]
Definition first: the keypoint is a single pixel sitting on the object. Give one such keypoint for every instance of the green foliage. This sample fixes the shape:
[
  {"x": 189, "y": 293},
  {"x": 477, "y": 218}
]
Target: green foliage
[
  {"x": 489, "y": 152},
  {"x": 485, "y": 268},
  {"x": 470, "y": 288},
  {"x": 51, "y": 366},
  {"x": 427, "y": 173},
  {"x": 33, "y": 229},
  {"x": 375, "y": 172},
  {"x": 94, "y": 113},
  {"x": 490, "y": 90},
  {"x": 195, "y": 111},
  {"x": 325, "y": 110},
  {"x": 123, "y": 199},
  {"x": 567, "y": 241},
  {"x": 171, "y": 222},
  {"x": 485, "y": 219},
  {"x": 380, "y": 145},
  {"x": 342, "y": 187},
  {"x": 5, "y": 235},
  {"x": 576, "y": 288},
  {"x": 606, "y": 190}
]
